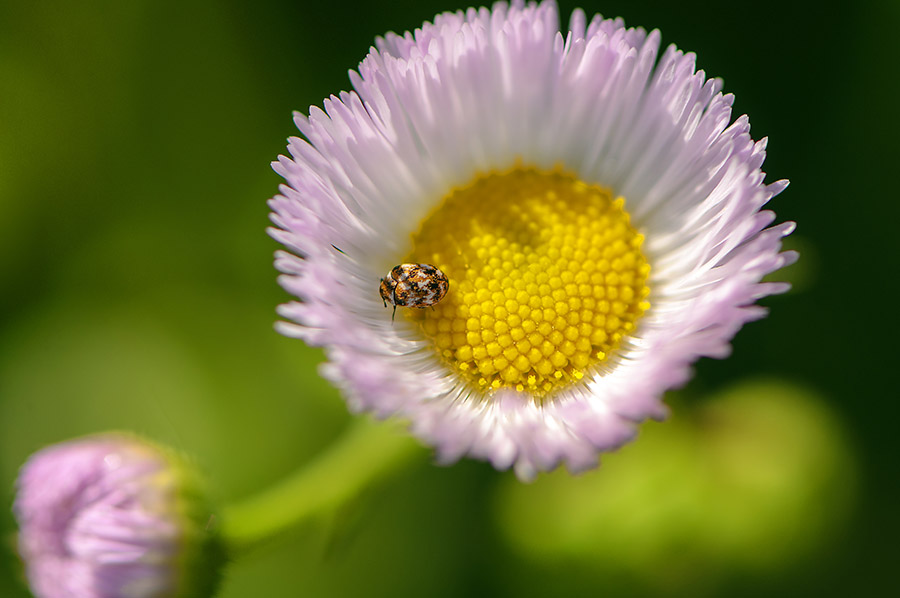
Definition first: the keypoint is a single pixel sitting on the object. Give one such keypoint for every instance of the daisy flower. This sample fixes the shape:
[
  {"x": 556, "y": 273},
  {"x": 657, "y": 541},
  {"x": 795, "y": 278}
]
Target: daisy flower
[{"x": 594, "y": 209}]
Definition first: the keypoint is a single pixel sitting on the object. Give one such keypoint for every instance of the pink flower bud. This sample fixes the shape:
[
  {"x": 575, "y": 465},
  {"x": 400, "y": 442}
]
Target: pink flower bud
[{"x": 111, "y": 516}]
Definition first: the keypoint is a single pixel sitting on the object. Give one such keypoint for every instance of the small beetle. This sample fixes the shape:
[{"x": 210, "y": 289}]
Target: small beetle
[{"x": 413, "y": 285}]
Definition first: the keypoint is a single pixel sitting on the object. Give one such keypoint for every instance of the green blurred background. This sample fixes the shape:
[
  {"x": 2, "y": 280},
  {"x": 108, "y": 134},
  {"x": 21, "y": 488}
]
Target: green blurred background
[{"x": 138, "y": 293}]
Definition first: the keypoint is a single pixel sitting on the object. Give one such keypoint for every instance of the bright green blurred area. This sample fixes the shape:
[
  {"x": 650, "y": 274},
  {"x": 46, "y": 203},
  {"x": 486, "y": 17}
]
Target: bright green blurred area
[
  {"x": 138, "y": 294},
  {"x": 750, "y": 482}
]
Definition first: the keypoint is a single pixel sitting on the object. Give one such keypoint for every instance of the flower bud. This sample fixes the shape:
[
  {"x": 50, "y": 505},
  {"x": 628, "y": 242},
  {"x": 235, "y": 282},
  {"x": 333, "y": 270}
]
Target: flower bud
[{"x": 111, "y": 516}]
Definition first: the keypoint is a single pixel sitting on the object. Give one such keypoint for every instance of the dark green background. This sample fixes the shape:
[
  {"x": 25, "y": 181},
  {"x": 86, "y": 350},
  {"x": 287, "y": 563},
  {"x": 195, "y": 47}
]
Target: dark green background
[{"x": 136, "y": 287}]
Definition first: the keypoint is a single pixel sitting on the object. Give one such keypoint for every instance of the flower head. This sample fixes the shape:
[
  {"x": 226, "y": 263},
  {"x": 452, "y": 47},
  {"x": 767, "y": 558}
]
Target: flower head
[
  {"x": 111, "y": 516},
  {"x": 597, "y": 217}
]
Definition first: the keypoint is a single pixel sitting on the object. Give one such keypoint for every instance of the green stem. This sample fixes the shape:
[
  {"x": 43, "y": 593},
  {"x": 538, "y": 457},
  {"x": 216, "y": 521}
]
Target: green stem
[{"x": 367, "y": 452}]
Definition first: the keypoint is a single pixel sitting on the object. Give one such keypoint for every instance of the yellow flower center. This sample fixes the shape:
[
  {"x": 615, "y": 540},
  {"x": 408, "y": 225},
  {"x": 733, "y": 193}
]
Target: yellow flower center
[{"x": 546, "y": 278}]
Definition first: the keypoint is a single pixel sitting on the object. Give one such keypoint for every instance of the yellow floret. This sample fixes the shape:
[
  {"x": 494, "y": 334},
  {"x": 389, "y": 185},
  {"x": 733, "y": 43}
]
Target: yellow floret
[{"x": 546, "y": 277}]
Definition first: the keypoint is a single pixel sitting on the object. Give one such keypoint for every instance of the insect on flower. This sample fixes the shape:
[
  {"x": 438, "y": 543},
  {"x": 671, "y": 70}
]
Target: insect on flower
[{"x": 413, "y": 285}]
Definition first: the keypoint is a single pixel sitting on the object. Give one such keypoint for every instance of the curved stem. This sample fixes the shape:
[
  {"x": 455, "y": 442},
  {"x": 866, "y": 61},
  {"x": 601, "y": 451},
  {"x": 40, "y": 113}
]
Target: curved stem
[{"x": 367, "y": 452}]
